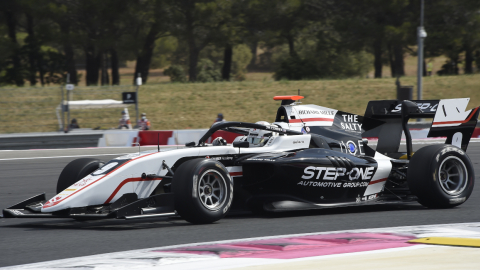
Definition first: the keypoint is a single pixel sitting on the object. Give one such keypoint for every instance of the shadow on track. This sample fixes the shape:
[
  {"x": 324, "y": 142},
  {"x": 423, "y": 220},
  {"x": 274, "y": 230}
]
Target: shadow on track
[
  {"x": 157, "y": 223},
  {"x": 413, "y": 206},
  {"x": 99, "y": 225}
]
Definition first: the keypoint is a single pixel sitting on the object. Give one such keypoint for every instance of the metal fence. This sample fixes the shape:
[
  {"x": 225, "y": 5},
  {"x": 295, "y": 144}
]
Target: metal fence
[{"x": 39, "y": 109}]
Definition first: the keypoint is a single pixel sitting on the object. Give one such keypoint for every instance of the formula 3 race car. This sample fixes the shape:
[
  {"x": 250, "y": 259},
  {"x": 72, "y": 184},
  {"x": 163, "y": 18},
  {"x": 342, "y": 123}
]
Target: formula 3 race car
[{"x": 310, "y": 157}]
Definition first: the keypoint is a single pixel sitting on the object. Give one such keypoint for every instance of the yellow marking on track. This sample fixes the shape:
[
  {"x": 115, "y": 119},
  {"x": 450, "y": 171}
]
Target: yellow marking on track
[{"x": 448, "y": 241}]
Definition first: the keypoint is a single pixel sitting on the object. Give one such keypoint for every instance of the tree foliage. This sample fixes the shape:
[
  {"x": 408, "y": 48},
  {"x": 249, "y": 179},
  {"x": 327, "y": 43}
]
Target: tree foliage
[{"x": 43, "y": 41}]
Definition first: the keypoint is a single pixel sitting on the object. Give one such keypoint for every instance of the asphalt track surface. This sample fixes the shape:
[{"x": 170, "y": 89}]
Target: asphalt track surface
[{"x": 24, "y": 174}]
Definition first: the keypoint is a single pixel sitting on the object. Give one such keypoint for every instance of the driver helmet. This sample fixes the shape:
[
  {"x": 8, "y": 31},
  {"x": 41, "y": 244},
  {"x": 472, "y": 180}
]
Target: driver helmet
[{"x": 258, "y": 137}]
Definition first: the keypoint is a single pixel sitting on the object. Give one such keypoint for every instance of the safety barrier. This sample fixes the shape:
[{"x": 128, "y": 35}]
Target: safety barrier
[
  {"x": 116, "y": 138},
  {"x": 50, "y": 140},
  {"x": 154, "y": 137},
  {"x": 119, "y": 138}
]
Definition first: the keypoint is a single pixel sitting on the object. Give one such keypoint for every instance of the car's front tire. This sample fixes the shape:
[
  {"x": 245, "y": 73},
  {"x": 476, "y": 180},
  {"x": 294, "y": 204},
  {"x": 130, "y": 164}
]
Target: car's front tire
[
  {"x": 441, "y": 176},
  {"x": 203, "y": 191},
  {"x": 76, "y": 170}
]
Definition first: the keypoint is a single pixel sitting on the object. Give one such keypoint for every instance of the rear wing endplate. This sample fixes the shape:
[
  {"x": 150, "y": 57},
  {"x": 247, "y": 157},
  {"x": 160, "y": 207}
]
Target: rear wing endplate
[{"x": 450, "y": 120}]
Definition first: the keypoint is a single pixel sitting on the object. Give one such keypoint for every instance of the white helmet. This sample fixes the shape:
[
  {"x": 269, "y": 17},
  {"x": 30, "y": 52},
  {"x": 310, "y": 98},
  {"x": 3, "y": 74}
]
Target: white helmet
[{"x": 258, "y": 137}]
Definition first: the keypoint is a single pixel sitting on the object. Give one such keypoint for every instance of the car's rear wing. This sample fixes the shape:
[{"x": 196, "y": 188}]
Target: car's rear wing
[{"x": 450, "y": 120}]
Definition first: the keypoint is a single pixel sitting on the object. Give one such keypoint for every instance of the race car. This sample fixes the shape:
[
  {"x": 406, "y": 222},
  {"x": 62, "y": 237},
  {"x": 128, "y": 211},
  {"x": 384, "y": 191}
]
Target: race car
[{"x": 310, "y": 157}]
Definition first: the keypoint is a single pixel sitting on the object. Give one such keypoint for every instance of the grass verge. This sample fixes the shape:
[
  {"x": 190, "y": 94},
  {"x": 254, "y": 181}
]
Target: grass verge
[{"x": 195, "y": 105}]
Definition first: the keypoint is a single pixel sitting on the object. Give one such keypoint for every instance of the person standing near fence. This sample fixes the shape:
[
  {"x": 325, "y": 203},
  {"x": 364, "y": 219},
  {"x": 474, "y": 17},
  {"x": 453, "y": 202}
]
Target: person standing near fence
[
  {"x": 429, "y": 68},
  {"x": 73, "y": 124},
  {"x": 124, "y": 122},
  {"x": 143, "y": 123},
  {"x": 219, "y": 118}
]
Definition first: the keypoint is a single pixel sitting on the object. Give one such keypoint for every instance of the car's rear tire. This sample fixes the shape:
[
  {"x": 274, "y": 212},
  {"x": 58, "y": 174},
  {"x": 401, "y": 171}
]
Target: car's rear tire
[
  {"x": 441, "y": 176},
  {"x": 203, "y": 191},
  {"x": 76, "y": 170}
]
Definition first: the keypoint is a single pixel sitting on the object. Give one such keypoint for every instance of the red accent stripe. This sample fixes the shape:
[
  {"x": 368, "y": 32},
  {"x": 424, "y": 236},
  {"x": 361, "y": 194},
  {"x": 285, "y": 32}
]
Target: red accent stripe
[
  {"x": 124, "y": 182},
  {"x": 57, "y": 202},
  {"x": 377, "y": 181},
  {"x": 310, "y": 120},
  {"x": 457, "y": 122},
  {"x": 235, "y": 173}
]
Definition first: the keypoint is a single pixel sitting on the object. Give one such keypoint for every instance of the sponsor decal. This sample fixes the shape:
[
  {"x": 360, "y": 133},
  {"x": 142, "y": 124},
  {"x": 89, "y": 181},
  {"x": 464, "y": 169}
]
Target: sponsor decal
[
  {"x": 457, "y": 200},
  {"x": 316, "y": 112},
  {"x": 296, "y": 142},
  {"x": 454, "y": 149},
  {"x": 82, "y": 182},
  {"x": 270, "y": 141},
  {"x": 351, "y": 122},
  {"x": 355, "y": 184},
  {"x": 366, "y": 198},
  {"x": 105, "y": 168},
  {"x": 276, "y": 129},
  {"x": 220, "y": 158},
  {"x": 421, "y": 106},
  {"x": 332, "y": 173},
  {"x": 70, "y": 189},
  {"x": 194, "y": 189},
  {"x": 261, "y": 159},
  {"x": 16, "y": 212},
  {"x": 307, "y": 129},
  {"x": 332, "y": 184},
  {"x": 129, "y": 156},
  {"x": 352, "y": 148}
]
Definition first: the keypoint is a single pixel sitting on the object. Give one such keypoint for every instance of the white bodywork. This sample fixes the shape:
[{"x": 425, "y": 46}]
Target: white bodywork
[
  {"x": 451, "y": 112},
  {"x": 301, "y": 116},
  {"x": 100, "y": 188}
]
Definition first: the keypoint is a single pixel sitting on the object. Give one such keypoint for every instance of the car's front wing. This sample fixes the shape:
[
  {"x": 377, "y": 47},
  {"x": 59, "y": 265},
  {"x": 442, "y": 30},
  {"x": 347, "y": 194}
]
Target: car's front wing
[{"x": 126, "y": 207}]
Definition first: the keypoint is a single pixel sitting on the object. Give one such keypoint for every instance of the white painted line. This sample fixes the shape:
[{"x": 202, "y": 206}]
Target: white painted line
[
  {"x": 63, "y": 149},
  {"x": 118, "y": 154}
]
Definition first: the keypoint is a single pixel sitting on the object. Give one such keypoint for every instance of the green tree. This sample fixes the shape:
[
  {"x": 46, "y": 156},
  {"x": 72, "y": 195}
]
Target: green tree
[
  {"x": 13, "y": 68},
  {"x": 452, "y": 28},
  {"x": 196, "y": 23},
  {"x": 153, "y": 19}
]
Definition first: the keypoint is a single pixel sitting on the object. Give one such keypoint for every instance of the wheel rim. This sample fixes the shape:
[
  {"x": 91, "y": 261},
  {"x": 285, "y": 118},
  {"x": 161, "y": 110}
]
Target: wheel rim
[
  {"x": 212, "y": 189},
  {"x": 453, "y": 175}
]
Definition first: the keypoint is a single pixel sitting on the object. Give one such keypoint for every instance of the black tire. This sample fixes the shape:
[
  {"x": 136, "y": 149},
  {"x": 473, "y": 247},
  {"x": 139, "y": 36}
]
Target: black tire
[
  {"x": 203, "y": 191},
  {"x": 76, "y": 170},
  {"x": 441, "y": 176}
]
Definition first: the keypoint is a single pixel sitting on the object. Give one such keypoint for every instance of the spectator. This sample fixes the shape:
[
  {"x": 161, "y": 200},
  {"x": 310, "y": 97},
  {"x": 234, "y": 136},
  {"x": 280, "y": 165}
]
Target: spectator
[
  {"x": 143, "y": 123},
  {"x": 73, "y": 124},
  {"x": 219, "y": 118},
  {"x": 429, "y": 68},
  {"x": 124, "y": 122}
]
